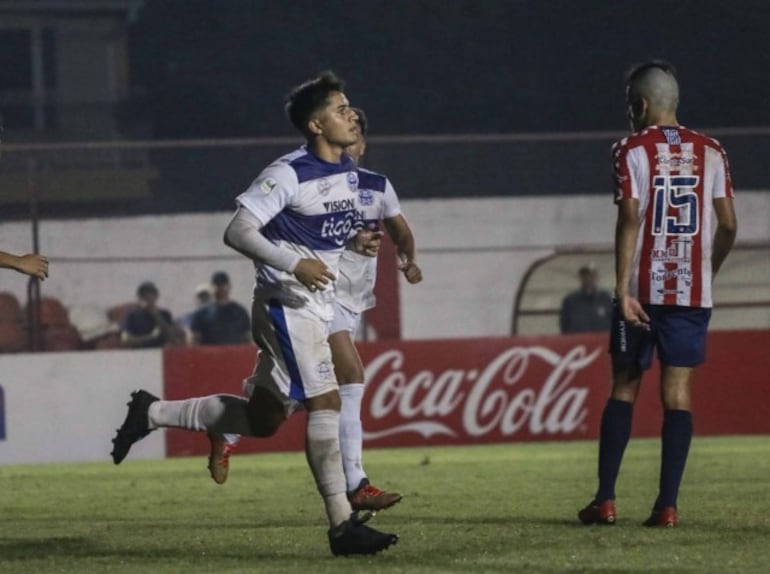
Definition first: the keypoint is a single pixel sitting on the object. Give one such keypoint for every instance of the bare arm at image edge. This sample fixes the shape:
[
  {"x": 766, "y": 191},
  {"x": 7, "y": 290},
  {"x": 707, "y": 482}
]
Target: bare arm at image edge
[
  {"x": 724, "y": 237},
  {"x": 401, "y": 234}
]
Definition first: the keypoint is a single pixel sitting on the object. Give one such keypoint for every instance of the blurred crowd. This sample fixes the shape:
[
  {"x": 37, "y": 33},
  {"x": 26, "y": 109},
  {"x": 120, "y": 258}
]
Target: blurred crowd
[{"x": 214, "y": 319}]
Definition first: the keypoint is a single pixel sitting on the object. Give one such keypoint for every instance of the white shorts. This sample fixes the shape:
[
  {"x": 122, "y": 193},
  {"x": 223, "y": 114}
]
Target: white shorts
[
  {"x": 295, "y": 357},
  {"x": 344, "y": 320}
]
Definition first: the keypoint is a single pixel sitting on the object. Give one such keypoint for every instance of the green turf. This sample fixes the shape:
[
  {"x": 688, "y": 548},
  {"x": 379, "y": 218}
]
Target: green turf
[{"x": 507, "y": 508}]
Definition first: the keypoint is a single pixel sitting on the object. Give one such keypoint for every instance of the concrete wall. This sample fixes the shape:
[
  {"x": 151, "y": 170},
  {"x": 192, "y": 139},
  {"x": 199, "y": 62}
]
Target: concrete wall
[{"x": 473, "y": 253}]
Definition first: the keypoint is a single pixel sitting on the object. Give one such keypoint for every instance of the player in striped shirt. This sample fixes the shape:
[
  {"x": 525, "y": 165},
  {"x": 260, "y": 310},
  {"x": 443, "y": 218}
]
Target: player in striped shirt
[{"x": 670, "y": 182}]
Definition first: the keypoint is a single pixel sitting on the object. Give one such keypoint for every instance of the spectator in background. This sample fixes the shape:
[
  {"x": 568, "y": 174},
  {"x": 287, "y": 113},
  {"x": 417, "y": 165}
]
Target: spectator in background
[
  {"x": 148, "y": 325},
  {"x": 587, "y": 309},
  {"x": 221, "y": 322},
  {"x": 202, "y": 298}
]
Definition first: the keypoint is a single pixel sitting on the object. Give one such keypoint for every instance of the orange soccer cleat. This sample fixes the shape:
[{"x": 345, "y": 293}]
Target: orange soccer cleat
[
  {"x": 666, "y": 517},
  {"x": 219, "y": 458},
  {"x": 368, "y": 497},
  {"x": 599, "y": 513}
]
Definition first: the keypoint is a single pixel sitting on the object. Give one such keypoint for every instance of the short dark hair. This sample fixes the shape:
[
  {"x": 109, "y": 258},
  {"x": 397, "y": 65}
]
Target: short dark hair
[
  {"x": 363, "y": 122},
  {"x": 146, "y": 288},
  {"x": 637, "y": 70},
  {"x": 309, "y": 97},
  {"x": 220, "y": 278}
]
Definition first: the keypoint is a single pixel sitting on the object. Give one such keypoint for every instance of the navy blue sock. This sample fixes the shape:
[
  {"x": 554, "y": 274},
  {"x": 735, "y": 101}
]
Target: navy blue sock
[
  {"x": 675, "y": 439},
  {"x": 615, "y": 432}
]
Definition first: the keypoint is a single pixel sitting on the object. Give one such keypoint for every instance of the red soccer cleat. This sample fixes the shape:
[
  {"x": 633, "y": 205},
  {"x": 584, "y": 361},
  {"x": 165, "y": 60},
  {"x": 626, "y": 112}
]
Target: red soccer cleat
[
  {"x": 599, "y": 513},
  {"x": 368, "y": 497},
  {"x": 666, "y": 517}
]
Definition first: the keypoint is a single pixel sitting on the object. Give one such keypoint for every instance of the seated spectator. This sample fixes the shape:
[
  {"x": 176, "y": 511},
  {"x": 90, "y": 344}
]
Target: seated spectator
[
  {"x": 148, "y": 325},
  {"x": 221, "y": 322},
  {"x": 587, "y": 309},
  {"x": 202, "y": 298}
]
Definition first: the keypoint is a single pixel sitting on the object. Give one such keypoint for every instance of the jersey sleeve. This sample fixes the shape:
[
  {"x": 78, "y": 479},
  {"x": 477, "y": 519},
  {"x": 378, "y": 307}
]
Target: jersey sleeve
[
  {"x": 390, "y": 205},
  {"x": 622, "y": 172},
  {"x": 274, "y": 189},
  {"x": 723, "y": 184}
]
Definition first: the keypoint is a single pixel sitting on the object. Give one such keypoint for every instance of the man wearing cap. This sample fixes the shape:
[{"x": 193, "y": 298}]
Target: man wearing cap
[
  {"x": 587, "y": 309},
  {"x": 148, "y": 325},
  {"x": 223, "y": 321}
]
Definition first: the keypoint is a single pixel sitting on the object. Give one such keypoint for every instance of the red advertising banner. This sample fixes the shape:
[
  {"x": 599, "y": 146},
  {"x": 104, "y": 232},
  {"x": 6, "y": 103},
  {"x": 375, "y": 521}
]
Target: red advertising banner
[{"x": 495, "y": 390}]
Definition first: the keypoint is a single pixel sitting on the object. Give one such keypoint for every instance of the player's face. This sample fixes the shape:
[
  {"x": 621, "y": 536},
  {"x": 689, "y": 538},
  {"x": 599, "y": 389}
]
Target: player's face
[
  {"x": 337, "y": 122},
  {"x": 357, "y": 150}
]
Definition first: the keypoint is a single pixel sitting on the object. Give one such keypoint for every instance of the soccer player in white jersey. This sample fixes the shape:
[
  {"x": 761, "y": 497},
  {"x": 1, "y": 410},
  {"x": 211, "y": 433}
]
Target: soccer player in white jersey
[
  {"x": 355, "y": 294},
  {"x": 294, "y": 222},
  {"x": 670, "y": 183}
]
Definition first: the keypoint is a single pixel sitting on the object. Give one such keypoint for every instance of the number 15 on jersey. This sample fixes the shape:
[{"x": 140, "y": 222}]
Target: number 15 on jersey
[{"x": 675, "y": 205}]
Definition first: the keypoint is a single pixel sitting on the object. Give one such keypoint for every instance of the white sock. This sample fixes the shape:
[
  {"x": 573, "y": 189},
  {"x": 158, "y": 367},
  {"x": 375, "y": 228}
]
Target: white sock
[
  {"x": 323, "y": 456},
  {"x": 351, "y": 434},
  {"x": 217, "y": 414}
]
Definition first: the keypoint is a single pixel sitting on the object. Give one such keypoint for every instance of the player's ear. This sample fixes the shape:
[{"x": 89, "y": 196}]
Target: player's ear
[{"x": 315, "y": 127}]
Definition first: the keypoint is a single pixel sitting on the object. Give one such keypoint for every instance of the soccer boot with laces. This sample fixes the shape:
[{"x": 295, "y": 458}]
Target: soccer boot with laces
[
  {"x": 219, "y": 458},
  {"x": 599, "y": 513},
  {"x": 354, "y": 537},
  {"x": 135, "y": 427},
  {"x": 369, "y": 497},
  {"x": 666, "y": 517}
]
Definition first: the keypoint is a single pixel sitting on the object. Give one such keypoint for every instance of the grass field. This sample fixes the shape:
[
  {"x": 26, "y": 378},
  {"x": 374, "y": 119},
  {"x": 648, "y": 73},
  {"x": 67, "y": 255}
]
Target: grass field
[{"x": 507, "y": 508}]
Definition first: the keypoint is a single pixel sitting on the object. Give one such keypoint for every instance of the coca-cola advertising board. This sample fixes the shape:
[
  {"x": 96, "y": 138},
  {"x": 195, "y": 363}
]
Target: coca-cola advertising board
[{"x": 494, "y": 390}]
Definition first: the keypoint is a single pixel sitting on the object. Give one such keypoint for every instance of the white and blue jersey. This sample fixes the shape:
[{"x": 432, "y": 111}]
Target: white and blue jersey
[
  {"x": 308, "y": 206},
  {"x": 376, "y": 200}
]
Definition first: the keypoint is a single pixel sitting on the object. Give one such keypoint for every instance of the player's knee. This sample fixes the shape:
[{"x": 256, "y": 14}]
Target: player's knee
[
  {"x": 265, "y": 421},
  {"x": 326, "y": 402},
  {"x": 350, "y": 376},
  {"x": 266, "y": 412},
  {"x": 265, "y": 424}
]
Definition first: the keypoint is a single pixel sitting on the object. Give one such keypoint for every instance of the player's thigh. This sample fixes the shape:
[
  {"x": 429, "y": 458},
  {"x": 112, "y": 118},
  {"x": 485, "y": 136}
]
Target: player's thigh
[
  {"x": 295, "y": 354},
  {"x": 347, "y": 362},
  {"x": 681, "y": 334}
]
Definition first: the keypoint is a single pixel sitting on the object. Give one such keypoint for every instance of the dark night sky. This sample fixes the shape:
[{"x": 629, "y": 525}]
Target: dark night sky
[{"x": 221, "y": 68}]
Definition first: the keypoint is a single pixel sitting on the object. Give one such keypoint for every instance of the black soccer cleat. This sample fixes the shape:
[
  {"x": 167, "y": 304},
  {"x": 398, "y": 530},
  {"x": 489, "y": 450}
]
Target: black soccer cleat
[
  {"x": 354, "y": 537},
  {"x": 136, "y": 425}
]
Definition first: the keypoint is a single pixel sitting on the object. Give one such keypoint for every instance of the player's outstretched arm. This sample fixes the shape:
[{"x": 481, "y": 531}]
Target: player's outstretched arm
[
  {"x": 32, "y": 264},
  {"x": 402, "y": 236},
  {"x": 724, "y": 236}
]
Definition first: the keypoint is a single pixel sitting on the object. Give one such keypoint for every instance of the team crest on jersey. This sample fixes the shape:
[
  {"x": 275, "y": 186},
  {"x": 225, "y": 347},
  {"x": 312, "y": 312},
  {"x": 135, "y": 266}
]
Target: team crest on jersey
[
  {"x": 353, "y": 181},
  {"x": 366, "y": 197},
  {"x": 268, "y": 185},
  {"x": 324, "y": 370},
  {"x": 324, "y": 185},
  {"x": 672, "y": 136}
]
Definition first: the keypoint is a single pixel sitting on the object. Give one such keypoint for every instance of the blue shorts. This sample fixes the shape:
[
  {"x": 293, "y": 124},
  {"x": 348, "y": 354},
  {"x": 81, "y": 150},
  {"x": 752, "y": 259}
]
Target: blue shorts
[{"x": 677, "y": 333}]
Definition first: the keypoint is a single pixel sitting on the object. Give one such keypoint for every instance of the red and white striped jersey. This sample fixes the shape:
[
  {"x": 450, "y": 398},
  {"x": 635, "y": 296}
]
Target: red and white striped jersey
[{"x": 676, "y": 174}]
